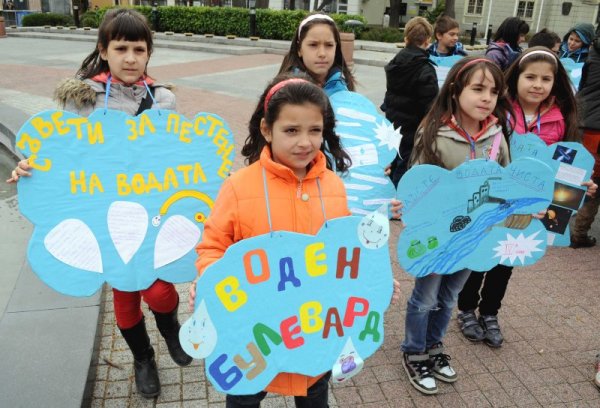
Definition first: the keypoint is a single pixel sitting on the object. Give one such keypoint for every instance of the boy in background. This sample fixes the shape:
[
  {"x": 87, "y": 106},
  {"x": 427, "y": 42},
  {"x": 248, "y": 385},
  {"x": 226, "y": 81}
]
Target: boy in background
[
  {"x": 446, "y": 42},
  {"x": 411, "y": 87}
]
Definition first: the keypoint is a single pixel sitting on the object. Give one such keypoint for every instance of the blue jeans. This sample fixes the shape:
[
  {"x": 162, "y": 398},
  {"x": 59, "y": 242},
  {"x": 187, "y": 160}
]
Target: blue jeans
[{"x": 429, "y": 309}]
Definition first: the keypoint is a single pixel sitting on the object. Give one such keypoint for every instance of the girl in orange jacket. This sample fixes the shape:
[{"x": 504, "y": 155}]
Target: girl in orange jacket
[{"x": 287, "y": 186}]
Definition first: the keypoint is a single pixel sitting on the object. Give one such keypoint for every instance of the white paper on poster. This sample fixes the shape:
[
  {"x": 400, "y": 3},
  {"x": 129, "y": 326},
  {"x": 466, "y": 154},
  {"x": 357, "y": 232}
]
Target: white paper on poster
[
  {"x": 570, "y": 174},
  {"x": 176, "y": 238},
  {"x": 73, "y": 243},
  {"x": 127, "y": 226}
]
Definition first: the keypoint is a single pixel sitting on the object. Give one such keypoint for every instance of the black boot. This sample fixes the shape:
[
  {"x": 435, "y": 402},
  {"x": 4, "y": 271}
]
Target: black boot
[
  {"x": 168, "y": 326},
  {"x": 146, "y": 374}
]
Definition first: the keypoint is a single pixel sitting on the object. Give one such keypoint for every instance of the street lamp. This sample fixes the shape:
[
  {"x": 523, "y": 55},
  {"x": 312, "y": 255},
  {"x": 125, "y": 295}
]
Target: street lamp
[
  {"x": 155, "y": 17},
  {"x": 473, "y": 33},
  {"x": 252, "y": 5}
]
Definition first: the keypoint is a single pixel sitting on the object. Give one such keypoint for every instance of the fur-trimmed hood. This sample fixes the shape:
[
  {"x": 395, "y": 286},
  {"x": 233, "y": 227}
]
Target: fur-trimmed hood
[{"x": 74, "y": 90}]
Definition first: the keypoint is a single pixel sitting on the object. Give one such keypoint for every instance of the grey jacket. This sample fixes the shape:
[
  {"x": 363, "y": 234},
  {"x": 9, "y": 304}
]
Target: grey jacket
[
  {"x": 453, "y": 149},
  {"x": 83, "y": 96}
]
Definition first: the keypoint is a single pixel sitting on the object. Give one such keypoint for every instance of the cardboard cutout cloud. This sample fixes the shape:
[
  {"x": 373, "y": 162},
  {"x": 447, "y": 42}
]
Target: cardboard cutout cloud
[
  {"x": 475, "y": 216},
  {"x": 372, "y": 143},
  {"x": 117, "y": 198},
  {"x": 291, "y": 302},
  {"x": 443, "y": 65},
  {"x": 574, "y": 70},
  {"x": 571, "y": 164}
]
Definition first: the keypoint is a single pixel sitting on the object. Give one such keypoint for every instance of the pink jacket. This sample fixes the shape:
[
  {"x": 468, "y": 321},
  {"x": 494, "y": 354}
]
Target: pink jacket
[{"x": 552, "y": 123}]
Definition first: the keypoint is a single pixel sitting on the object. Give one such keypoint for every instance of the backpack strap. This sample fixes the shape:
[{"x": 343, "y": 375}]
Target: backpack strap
[
  {"x": 146, "y": 103},
  {"x": 496, "y": 146}
]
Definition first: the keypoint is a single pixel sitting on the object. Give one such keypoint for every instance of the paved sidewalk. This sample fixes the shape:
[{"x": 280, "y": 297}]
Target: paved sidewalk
[{"x": 549, "y": 318}]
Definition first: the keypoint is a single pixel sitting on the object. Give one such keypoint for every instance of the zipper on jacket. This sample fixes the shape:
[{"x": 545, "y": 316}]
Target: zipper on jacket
[{"x": 299, "y": 190}]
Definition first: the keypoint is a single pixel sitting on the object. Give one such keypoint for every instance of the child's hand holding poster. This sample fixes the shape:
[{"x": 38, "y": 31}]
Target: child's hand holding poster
[
  {"x": 117, "y": 198},
  {"x": 475, "y": 216},
  {"x": 294, "y": 303},
  {"x": 571, "y": 165}
]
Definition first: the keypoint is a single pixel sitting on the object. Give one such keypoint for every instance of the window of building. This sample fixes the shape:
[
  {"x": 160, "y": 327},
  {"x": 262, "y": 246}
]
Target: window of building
[
  {"x": 525, "y": 9},
  {"x": 475, "y": 7}
]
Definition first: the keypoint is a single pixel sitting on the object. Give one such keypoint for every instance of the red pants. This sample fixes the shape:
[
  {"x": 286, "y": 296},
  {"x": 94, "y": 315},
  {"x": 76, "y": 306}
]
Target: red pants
[
  {"x": 161, "y": 297},
  {"x": 591, "y": 140}
]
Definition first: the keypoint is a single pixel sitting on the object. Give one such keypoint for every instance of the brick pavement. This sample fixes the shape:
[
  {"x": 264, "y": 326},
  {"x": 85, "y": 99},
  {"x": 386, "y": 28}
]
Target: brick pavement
[{"x": 549, "y": 315}]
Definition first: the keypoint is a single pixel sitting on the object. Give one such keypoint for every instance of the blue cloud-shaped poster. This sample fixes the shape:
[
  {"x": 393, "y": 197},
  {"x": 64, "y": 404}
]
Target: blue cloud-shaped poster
[
  {"x": 475, "y": 216},
  {"x": 571, "y": 164},
  {"x": 574, "y": 70},
  {"x": 293, "y": 303},
  {"x": 372, "y": 143},
  {"x": 119, "y": 199},
  {"x": 443, "y": 66}
]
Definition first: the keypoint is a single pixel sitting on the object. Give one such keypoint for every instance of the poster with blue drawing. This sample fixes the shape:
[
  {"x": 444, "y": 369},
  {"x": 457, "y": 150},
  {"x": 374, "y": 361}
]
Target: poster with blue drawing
[
  {"x": 443, "y": 65},
  {"x": 574, "y": 70},
  {"x": 293, "y": 303},
  {"x": 372, "y": 143},
  {"x": 571, "y": 165},
  {"x": 119, "y": 199},
  {"x": 475, "y": 216}
]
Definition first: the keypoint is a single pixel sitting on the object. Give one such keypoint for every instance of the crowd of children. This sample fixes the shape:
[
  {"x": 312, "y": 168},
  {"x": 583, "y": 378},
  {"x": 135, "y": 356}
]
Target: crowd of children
[{"x": 292, "y": 147}]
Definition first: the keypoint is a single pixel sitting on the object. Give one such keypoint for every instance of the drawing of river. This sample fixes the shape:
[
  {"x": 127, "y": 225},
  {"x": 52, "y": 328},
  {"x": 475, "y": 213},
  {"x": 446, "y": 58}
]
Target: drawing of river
[{"x": 462, "y": 243}]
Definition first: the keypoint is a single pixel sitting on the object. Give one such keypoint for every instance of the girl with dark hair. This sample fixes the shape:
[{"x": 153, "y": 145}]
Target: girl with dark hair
[
  {"x": 316, "y": 50},
  {"x": 505, "y": 48},
  {"x": 544, "y": 104},
  {"x": 467, "y": 120},
  {"x": 114, "y": 76},
  {"x": 288, "y": 169}
]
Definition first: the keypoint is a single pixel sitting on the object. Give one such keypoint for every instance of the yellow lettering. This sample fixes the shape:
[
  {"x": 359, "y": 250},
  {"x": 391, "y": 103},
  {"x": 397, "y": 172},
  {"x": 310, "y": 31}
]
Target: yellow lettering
[
  {"x": 313, "y": 256},
  {"x": 185, "y": 170},
  {"x": 170, "y": 179},
  {"x": 137, "y": 183},
  {"x": 132, "y": 129},
  {"x": 225, "y": 168},
  {"x": 153, "y": 183},
  {"x": 43, "y": 127},
  {"x": 77, "y": 123},
  {"x": 95, "y": 184},
  {"x": 185, "y": 131},
  {"x": 33, "y": 144},
  {"x": 199, "y": 173},
  {"x": 214, "y": 122},
  {"x": 123, "y": 188},
  {"x": 310, "y": 321},
  {"x": 95, "y": 134},
  {"x": 145, "y": 122},
  {"x": 46, "y": 166},
  {"x": 229, "y": 293},
  {"x": 197, "y": 129},
  {"x": 59, "y": 124},
  {"x": 77, "y": 181},
  {"x": 173, "y": 122}
]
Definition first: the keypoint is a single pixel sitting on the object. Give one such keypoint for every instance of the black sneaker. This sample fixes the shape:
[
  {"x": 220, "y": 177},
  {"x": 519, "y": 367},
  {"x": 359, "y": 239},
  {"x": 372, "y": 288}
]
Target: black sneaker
[
  {"x": 493, "y": 335},
  {"x": 469, "y": 326},
  {"x": 582, "y": 242},
  {"x": 440, "y": 364},
  {"x": 417, "y": 367}
]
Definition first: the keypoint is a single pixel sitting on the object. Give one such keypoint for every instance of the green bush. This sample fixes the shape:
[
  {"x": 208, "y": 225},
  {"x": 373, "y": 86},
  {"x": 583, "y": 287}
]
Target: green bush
[
  {"x": 90, "y": 19},
  {"x": 44, "y": 19},
  {"x": 382, "y": 34},
  {"x": 433, "y": 15}
]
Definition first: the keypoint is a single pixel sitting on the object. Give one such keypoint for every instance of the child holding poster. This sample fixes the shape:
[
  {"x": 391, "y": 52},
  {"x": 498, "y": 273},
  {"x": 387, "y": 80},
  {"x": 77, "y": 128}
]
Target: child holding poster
[
  {"x": 114, "y": 76},
  {"x": 288, "y": 186},
  {"x": 316, "y": 51},
  {"x": 467, "y": 121},
  {"x": 543, "y": 103}
]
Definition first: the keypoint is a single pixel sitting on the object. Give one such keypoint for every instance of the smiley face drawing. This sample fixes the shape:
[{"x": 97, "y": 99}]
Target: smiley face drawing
[
  {"x": 198, "y": 336},
  {"x": 374, "y": 229}
]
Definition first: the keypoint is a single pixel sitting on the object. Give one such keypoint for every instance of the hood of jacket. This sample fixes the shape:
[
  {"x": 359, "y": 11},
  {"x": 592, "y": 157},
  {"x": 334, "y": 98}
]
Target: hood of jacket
[
  {"x": 585, "y": 31},
  {"x": 79, "y": 92},
  {"x": 407, "y": 63}
]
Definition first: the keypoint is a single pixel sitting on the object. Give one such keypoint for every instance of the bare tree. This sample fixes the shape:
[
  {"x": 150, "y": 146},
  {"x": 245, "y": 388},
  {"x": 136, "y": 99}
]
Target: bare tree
[
  {"x": 449, "y": 11},
  {"x": 395, "y": 13}
]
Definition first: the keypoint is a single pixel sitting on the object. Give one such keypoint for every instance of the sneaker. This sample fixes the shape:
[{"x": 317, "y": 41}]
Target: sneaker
[
  {"x": 417, "y": 367},
  {"x": 582, "y": 242},
  {"x": 440, "y": 364},
  {"x": 493, "y": 335},
  {"x": 470, "y": 327},
  {"x": 597, "y": 376}
]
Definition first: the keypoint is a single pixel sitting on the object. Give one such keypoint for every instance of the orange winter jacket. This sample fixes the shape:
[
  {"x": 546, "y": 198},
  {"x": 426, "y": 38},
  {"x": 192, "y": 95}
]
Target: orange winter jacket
[{"x": 240, "y": 212}]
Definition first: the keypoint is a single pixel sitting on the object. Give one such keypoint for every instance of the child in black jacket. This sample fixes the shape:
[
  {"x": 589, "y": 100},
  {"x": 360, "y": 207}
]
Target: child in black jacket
[{"x": 411, "y": 88}]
